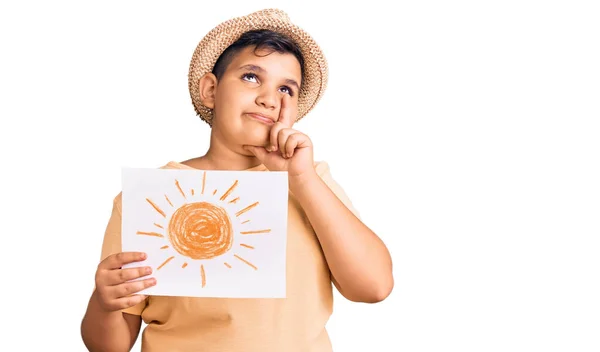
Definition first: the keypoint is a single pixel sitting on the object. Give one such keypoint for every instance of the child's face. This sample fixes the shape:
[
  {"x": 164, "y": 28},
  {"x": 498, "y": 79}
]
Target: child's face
[{"x": 248, "y": 97}]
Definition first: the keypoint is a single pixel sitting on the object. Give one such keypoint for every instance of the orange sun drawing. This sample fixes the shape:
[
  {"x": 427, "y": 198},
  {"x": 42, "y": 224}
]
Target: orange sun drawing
[{"x": 202, "y": 230}]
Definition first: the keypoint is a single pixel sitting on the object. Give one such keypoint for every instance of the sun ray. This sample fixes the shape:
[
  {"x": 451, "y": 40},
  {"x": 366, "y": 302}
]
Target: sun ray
[
  {"x": 245, "y": 245},
  {"x": 227, "y": 265},
  {"x": 168, "y": 200},
  {"x": 158, "y": 225},
  {"x": 164, "y": 247},
  {"x": 155, "y": 234},
  {"x": 234, "y": 200},
  {"x": 165, "y": 262},
  {"x": 203, "y": 181},
  {"x": 203, "y": 275},
  {"x": 156, "y": 208},
  {"x": 246, "y": 221},
  {"x": 246, "y": 209},
  {"x": 180, "y": 190},
  {"x": 255, "y": 232},
  {"x": 245, "y": 261},
  {"x": 214, "y": 192},
  {"x": 184, "y": 265},
  {"x": 192, "y": 191},
  {"x": 226, "y": 194}
]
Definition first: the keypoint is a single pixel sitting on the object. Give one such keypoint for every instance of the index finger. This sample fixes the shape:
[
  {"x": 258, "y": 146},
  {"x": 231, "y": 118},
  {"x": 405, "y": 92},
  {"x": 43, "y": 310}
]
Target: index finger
[
  {"x": 286, "y": 115},
  {"x": 116, "y": 261}
]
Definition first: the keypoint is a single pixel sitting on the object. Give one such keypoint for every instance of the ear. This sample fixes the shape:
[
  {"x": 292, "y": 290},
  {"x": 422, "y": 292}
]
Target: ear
[{"x": 207, "y": 88}]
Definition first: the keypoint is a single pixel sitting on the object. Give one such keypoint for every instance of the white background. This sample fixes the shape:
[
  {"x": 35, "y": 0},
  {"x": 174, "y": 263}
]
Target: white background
[{"x": 476, "y": 122}]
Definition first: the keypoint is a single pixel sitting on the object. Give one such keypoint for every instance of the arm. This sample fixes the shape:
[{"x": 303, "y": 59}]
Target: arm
[
  {"x": 108, "y": 331},
  {"x": 360, "y": 263}
]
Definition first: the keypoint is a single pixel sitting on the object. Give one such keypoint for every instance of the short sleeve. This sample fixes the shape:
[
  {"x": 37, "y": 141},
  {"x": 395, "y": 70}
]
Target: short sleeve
[
  {"x": 324, "y": 172},
  {"x": 112, "y": 245}
]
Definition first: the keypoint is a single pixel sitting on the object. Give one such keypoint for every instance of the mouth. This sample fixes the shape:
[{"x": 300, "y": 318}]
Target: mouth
[{"x": 261, "y": 118}]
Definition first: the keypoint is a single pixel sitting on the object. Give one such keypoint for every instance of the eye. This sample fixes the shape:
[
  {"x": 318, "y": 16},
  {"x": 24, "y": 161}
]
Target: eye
[
  {"x": 250, "y": 77},
  {"x": 287, "y": 90}
]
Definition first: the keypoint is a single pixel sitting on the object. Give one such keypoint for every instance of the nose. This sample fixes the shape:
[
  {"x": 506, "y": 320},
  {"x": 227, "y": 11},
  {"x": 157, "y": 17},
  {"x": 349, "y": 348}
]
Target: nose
[{"x": 267, "y": 99}]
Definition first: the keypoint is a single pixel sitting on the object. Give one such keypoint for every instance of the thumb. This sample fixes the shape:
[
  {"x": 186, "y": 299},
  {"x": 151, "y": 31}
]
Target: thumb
[{"x": 259, "y": 152}]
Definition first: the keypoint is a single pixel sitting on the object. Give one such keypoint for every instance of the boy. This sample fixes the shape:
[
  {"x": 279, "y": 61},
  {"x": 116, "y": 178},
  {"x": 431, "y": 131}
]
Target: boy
[{"x": 251, "y": 79}]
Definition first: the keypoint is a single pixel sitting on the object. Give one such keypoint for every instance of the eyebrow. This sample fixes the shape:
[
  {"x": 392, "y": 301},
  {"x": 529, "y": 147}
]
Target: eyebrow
[{"x": 256, "y": 68}]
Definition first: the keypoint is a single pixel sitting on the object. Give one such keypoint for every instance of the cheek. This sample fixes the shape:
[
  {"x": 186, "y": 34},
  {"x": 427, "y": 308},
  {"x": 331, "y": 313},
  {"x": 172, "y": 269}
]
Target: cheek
[
  {"x": 294, "y": 116},
  {"x": 230, "y": 106},
  {"x": 235, "y": 98}
]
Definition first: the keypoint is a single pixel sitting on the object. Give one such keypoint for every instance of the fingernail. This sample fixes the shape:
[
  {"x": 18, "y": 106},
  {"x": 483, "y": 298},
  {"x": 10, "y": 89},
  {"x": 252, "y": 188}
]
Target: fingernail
[{"x": 148, "y": 270}]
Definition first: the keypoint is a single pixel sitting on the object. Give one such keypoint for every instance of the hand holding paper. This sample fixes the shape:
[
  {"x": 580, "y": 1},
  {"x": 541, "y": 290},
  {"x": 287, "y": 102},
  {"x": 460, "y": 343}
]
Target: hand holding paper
[{"x": 114, "y": 290}]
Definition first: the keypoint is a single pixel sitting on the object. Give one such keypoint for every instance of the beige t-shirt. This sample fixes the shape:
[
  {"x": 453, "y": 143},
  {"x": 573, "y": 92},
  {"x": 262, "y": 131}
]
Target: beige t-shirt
[{"x": 295, "y": 323}]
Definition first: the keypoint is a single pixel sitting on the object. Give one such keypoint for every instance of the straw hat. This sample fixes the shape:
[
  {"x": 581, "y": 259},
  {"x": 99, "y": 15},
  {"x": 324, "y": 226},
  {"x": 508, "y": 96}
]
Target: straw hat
[{"x": 219, "y": 38}]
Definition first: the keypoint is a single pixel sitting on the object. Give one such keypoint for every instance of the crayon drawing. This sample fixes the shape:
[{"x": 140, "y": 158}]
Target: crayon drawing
[{"x": 204, "y": 242}]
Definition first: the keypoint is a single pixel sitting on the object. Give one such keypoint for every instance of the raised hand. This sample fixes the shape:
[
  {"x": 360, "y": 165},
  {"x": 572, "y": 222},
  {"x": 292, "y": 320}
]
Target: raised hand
[{"x": 288, "y": 150}]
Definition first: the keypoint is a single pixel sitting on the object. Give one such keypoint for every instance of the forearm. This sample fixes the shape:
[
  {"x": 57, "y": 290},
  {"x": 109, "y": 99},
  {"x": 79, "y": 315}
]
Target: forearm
[
  {"x": 103, "y": 331},
  {"x": 357, "y": 258}
]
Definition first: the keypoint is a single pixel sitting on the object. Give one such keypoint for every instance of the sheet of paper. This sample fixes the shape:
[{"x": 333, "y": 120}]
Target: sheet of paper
[{"x": 208, "y": 233}]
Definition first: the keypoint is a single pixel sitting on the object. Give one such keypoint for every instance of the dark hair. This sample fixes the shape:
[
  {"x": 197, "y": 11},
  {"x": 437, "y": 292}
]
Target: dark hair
[{"x": 261, "y": 39}]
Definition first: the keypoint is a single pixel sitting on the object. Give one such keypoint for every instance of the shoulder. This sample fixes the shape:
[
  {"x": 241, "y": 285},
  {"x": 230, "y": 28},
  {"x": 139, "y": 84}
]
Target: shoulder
[
  {"x": 117, "y": 202},
  {"x": 322, "y": 168}
]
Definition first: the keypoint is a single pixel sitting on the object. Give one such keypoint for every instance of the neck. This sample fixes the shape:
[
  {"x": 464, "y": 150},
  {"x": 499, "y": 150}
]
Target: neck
[{"x": 223, "y": 157}]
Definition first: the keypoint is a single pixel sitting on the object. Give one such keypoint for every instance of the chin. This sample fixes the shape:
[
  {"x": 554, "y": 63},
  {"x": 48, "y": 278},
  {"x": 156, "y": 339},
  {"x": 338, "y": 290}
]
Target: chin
[{"x": 254, "y": 137}]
